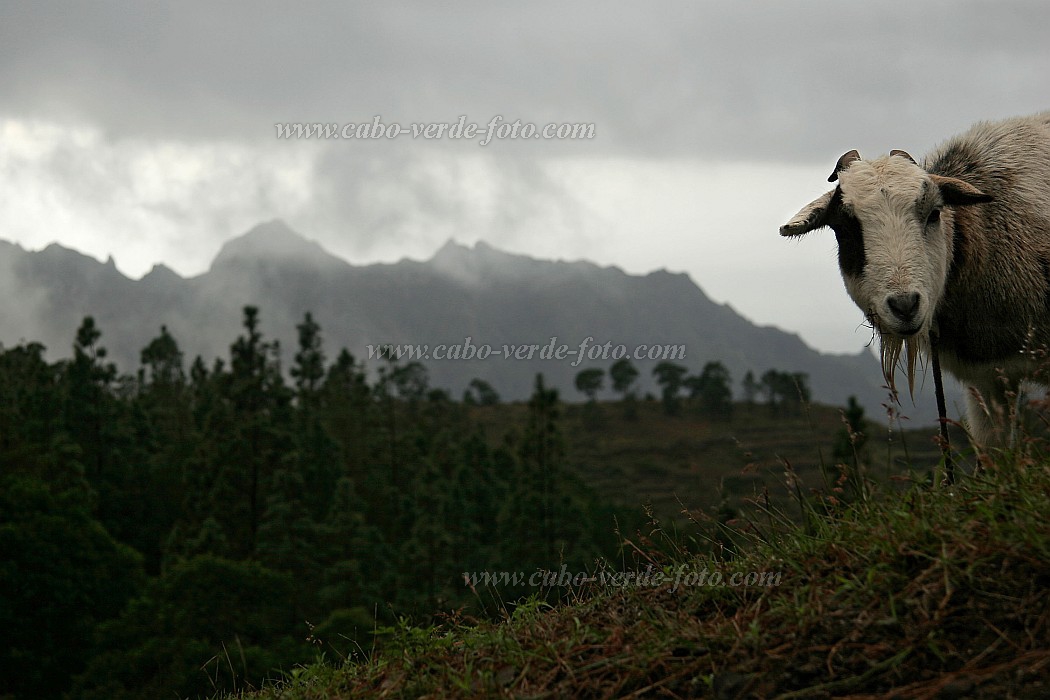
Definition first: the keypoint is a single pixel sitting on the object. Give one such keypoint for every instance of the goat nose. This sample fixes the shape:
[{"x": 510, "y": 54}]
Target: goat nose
[{"x": 904, "y": 306}]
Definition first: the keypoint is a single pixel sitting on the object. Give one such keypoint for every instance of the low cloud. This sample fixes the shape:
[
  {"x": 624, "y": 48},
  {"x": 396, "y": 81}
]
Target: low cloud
[
  {"x": 141, "y": 201},
  {"x": 410, "y": 198}
]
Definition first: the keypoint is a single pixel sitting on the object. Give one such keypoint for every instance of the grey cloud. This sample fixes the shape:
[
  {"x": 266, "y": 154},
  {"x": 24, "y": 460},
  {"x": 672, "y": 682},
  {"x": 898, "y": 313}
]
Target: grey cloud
[
  {"x": 174, "y": 199},
  {"x": 754, "y": 80},
  {"x": 409, "y": 197}
]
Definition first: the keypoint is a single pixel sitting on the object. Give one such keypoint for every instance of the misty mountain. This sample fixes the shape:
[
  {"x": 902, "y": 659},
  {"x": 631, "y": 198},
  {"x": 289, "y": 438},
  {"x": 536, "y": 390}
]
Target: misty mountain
[{"x": 493, "y": 297}]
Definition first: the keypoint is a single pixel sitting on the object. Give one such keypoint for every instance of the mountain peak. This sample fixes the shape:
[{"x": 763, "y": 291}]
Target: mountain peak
[
  {"x": 483, "y": 261},
  {"x": 469, "y": 264},
  {"x": 450, "y": 250},
  {"x": 273, "y": 240},
  {"x": 453, "y": 248},
  {"x": 162, "y": 274}
]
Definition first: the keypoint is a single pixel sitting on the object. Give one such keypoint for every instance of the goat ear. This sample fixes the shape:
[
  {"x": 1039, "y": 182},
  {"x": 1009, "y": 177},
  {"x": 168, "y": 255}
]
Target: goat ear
[
  {"x": 843, "y": 162},
  {"x": 812, "y": 216},
  {"x": 957, "y": 192}
]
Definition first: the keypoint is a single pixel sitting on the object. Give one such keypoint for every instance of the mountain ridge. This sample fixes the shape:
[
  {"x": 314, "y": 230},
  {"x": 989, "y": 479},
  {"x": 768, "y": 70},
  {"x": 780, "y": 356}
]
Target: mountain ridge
[{"x": 481, "y": 292}]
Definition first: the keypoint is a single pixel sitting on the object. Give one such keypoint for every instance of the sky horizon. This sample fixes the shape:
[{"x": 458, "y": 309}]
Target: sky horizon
[{"x": 150, "y": 134}]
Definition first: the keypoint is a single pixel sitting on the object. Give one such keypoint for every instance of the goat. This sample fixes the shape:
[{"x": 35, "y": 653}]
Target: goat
[{"x": 955, "y": 251}]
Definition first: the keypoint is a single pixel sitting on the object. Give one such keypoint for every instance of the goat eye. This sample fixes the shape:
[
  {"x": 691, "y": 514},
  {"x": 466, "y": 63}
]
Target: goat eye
[{"x": 934, "y": 217}]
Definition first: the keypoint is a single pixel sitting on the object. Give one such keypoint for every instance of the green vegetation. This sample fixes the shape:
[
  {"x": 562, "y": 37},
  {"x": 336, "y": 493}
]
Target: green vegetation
[
  {"x": 323, "y": 531},
  {"x": 175, "y": 532}
]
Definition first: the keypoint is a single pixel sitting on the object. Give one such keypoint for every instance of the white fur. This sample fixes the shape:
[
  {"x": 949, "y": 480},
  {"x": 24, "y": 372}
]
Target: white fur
[{"x": 981, "y": 272}]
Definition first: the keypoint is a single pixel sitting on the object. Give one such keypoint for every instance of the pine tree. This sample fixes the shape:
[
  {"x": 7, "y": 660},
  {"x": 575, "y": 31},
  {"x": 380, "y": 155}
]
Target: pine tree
[
  {"x": 542, "y": 452},
  {"x": 429, "y": 547},
  {"x": 203, "y": 526},
  {"x": 166, "y": 436},
  {"x": 315, "y": 455},
  {"x": 714, "y": 392},
  {"x": 287, "y": 534},
  {"x": 480, "y": 393},
  {"x": 164, "y": 360},
  {"x": 349, "y": 414},
  {"x": 33, "y": 436},
  {"x": 309, "y": 370},
  {"x": 479, "y": 490},
  {"x": 97, "y": 421},
  {"x": 358, "y": 570},
  {"x": 670, "y": 376},
  {"x": 589, "y": 382},
  {"x": 786, "y": 391},
  {"x": 623, "y": 375},
  {"x": 246, "y": 444},
  {"x": 88, "y": 406}
]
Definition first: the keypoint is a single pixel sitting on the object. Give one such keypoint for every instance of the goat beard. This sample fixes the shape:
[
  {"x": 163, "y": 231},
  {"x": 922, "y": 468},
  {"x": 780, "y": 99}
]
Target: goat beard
[{"x": 897, "y": 352}]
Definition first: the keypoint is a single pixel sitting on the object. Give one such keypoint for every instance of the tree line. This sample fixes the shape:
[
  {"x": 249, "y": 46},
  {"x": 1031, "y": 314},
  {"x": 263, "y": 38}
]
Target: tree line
[{"x": 710, "y": 390}]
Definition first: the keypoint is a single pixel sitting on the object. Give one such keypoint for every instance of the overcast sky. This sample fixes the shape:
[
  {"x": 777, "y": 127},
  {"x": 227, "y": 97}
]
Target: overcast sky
[{"x": 147, "y": 131}]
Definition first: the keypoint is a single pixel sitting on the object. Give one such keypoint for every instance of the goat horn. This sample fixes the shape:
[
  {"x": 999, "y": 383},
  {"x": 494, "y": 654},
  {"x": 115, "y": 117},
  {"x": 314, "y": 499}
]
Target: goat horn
[
  {"x": 902, "y": 154},
  {"x": 843, "y": 163}
]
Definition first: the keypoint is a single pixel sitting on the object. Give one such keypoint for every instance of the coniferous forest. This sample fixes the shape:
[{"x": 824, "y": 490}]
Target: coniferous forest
[{"x": 185, "y": 528}]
